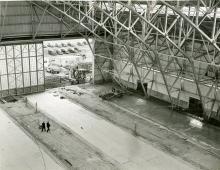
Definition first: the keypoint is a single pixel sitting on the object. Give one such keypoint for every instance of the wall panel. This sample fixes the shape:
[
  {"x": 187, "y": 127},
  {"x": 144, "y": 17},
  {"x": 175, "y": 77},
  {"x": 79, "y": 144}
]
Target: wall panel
[
  {"x": 22, "y": 20},
  {"x": 21, "y": 69}
]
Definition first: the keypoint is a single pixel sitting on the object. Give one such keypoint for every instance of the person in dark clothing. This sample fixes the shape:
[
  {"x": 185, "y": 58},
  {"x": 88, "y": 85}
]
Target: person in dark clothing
[
  {"x": 43, "y": 127},
  {"x": 48, "y": 126}
]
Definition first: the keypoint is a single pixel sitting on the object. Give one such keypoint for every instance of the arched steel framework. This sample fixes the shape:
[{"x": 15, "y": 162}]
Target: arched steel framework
[{"x": 178, "y": 40}]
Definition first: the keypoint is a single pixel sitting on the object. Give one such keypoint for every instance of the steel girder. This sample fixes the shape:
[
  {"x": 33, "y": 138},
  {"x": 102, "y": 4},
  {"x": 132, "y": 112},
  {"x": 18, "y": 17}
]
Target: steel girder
[{"x": 169, "y": 38}]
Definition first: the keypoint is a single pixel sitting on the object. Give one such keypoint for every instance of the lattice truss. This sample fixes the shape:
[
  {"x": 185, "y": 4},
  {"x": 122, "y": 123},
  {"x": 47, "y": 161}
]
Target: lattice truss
[{"x": 176, "y": 41}]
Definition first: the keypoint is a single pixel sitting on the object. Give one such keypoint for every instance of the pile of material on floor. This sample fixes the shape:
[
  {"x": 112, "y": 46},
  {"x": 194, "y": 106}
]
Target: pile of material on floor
[
  {"x": 73, "y": 91},
  {"x": 8, "y": 99},
  {"x": 114, "y": 93}
]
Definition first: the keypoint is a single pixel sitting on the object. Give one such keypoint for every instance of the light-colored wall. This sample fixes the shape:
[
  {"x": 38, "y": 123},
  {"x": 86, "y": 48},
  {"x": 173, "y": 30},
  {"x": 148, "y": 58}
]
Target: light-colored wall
[
  {"x": 102, "y": 65},
  {"x": 183, "y": 88},
  {"x": 188, "y": 87}
]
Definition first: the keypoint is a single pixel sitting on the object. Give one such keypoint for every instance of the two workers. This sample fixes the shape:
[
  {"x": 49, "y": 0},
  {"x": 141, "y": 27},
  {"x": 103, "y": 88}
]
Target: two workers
[{"x": 43, "y": 127}]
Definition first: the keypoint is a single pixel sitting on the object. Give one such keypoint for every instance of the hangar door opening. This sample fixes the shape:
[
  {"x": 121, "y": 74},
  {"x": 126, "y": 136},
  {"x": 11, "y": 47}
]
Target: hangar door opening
[
  {"x": 68, "y": 62},
  {"x": 21, "y": 69}
]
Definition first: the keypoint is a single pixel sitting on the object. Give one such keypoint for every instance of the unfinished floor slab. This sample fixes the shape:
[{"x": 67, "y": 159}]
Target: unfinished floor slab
[
  {"x": 131, "y": 152},
  {"x": 157, "y": 133},
  {"x": 63, "y": 144},
  {"x": 19, "y": 152}
]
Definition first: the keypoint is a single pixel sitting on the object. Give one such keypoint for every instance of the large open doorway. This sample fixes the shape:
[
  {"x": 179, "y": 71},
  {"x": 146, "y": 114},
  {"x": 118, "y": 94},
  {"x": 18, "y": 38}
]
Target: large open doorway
[
  {"x": 68, "y": 62},
  {"x": 195, "y": 107},
  {"x": 140, "y": 88}
]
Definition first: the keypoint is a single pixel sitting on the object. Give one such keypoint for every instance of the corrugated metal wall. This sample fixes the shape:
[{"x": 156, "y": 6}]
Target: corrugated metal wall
[
  {"x": 21, "y": 18},
  {"x": 21, "y": 69}
]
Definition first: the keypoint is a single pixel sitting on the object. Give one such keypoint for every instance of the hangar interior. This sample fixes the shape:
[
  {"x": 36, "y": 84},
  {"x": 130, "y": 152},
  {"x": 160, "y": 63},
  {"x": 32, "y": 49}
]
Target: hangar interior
[{"x": 150, "y": 69}]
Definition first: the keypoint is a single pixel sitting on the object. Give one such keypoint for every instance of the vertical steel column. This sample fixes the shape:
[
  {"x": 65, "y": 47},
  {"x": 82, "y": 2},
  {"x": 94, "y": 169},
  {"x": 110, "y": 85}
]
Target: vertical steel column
[
  {"x": 43, "y": 65},
  {"x": 15, "y": 70},
  {"x": 6, "y": 59},
  {"x": 22, "y": 67},
  {"x": 36, "y": 53},
  {"x": 29, "y": 67},
  {"x": 32, "y": 20}
]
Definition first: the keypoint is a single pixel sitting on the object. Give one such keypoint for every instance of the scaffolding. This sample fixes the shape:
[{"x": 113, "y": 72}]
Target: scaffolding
[{"x": 170, "y": 45}]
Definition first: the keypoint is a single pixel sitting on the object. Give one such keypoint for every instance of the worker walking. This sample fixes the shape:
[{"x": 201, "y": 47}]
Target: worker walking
[
  {"x": 48, "y": 126},
  {"x": 43, "y": 127}
]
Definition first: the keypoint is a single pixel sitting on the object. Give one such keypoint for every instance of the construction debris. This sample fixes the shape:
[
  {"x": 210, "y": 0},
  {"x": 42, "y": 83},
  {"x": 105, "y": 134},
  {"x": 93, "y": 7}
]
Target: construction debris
[
  {"x": 114, "y": 93},
  {"x": 73, "y": 91}
]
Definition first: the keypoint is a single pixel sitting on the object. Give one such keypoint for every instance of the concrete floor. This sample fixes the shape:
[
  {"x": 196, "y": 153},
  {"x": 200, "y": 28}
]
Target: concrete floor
[
  {"x": 63, "y": 144},
  {"x": 158, "y": 132},
  {"x": 204, "y": 135},
  {"x": 131, "y": 152},
  {"x": 20, "y": 152},
  {"x": 163, "y": 139}
]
